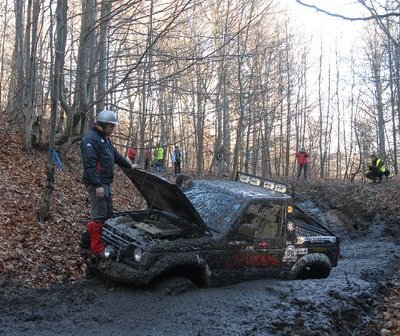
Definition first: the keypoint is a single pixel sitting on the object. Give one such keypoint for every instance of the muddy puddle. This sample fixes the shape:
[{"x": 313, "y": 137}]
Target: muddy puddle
[{"x": 342, "y": 304}]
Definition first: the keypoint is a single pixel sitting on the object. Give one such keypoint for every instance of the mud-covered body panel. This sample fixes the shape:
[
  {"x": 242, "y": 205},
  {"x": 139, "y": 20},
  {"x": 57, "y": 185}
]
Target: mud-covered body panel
[{"x": 226, "y": 231}]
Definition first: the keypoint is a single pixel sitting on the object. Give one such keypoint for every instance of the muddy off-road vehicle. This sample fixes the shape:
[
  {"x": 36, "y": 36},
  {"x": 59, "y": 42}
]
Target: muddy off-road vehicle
[{"x": 211, "y": 233}]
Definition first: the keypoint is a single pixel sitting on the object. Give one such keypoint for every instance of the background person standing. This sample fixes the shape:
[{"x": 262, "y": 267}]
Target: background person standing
[
  {"x": 147, "y": 158},
  {"x": 132, "y": 154},
  {"x": 159, "y": 158},
  {"x": 302, "y": 158},
  {"x": 221, "y": 162},
  {"x": 177, "y": 159}
]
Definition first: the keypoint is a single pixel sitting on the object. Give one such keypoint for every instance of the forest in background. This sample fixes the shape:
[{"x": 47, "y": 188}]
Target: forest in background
[{"x": 202, "y": 74}]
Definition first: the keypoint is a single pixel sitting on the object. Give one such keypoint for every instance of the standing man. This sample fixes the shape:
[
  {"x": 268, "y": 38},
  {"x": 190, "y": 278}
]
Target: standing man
[
  {"x": 177, "y": 159},
  {"x": 147, "y": 158},
  {"x": 302, "y": 162},
  {"x": 99, "y": 157},
  {"x": 159, "y": 158},
  {"x": 377, "y": 169},
  {"x": 221, "y": 162},
  {"x": 248, "y": 159}
]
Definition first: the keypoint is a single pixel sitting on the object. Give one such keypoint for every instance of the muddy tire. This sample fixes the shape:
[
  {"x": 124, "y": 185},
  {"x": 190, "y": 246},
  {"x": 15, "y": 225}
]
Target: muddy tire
[
  {"x": 311, "y": 266},
  {"x": 174, "y": 286},
  {"x": 90, "y": 271}
]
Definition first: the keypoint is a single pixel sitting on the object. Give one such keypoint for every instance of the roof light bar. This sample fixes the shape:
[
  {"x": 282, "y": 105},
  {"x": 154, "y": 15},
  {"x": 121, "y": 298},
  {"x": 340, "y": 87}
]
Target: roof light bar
[
  {"x": 255, "y": 181},
  {"x": 262, "y": 182}
]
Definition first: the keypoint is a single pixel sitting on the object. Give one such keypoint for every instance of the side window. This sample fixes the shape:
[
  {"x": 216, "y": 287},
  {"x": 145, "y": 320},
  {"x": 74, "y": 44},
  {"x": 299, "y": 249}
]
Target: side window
[{"x": 264, "y": 219}]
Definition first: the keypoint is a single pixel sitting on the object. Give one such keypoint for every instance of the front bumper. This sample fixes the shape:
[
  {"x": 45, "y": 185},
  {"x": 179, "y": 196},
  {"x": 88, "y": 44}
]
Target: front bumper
[{"x": 120, "y": 272}]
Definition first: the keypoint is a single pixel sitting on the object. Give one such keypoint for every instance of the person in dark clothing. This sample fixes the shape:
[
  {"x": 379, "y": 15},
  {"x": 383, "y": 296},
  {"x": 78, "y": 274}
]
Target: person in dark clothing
[
  {"x": 99, "y": 157},
  {"x": 147, "y": 158},
  {"x": 177, "y": 159},
  {"x": 221, "y": 162},
  {"x": 302, "y": 162},
  {"x": 248, "y": 159},
  {"x": 377, "y": 169}
]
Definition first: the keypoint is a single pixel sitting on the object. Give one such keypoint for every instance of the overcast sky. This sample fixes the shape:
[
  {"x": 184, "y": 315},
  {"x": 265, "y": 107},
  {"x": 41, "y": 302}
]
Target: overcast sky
[{"x": 316, "y": 23}]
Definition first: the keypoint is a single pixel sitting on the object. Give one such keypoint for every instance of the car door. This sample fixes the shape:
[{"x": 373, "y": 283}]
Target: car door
[{"x": 262, "y": 243}]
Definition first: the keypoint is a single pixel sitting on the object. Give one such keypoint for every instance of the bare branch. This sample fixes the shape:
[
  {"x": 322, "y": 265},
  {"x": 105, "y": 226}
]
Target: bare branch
[{"x": 375, "y": 16}]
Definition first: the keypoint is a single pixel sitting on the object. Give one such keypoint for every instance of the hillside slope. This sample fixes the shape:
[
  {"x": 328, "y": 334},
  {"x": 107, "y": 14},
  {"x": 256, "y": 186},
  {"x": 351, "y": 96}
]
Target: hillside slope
[{"x": 35, "y": 253}]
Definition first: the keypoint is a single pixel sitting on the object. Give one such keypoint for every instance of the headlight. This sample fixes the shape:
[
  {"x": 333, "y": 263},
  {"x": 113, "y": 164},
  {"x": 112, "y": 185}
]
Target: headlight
[
  {"x": 290, "y": 226},
  {"x": 109, "y": 252},
  {"x": 137, "y": 254}
]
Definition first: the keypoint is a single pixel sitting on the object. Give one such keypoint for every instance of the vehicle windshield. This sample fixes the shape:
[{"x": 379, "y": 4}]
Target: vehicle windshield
[{"x": 217, "y": 209}]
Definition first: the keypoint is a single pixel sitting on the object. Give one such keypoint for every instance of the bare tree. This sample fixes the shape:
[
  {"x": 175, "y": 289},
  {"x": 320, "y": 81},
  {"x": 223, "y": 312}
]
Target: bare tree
[
  {"x": 16, "y": 88},
  {"x": 31, "y": 41},
  {"x": 5, "y": 8},
  {"x": 61, "y": 20},
  {"x": 374, "y": 54}
]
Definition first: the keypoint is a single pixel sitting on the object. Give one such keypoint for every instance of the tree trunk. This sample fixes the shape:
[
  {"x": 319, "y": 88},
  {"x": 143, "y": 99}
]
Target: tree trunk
[
  {"x": 61, "y": 13},
  {"x": 16, "y": 89},
  {"x": 31, "y": 116}
]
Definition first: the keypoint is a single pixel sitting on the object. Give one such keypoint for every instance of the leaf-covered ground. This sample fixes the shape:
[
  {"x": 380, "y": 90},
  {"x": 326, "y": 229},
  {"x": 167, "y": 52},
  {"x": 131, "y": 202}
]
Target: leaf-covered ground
[{"x": 39, "y": 254}]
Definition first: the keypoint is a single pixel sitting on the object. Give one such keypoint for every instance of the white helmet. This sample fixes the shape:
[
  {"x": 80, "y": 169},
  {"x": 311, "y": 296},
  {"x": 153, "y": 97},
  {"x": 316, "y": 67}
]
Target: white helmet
[{"x": 107, "y": 117}]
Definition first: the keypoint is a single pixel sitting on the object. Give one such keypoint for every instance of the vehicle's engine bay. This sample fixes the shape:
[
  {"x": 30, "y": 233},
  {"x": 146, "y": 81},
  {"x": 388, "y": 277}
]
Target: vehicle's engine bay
[
  {"x": 161, "y": 228},
  {"x": 140, "y": 228}
]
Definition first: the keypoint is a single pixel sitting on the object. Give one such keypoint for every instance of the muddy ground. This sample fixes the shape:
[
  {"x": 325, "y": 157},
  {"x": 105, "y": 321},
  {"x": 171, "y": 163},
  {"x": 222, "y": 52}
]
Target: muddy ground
[{"x": 343, "y": 304}]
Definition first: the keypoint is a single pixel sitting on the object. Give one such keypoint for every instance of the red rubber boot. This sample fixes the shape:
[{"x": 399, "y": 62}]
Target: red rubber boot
[{"x": 96, "y": 242}]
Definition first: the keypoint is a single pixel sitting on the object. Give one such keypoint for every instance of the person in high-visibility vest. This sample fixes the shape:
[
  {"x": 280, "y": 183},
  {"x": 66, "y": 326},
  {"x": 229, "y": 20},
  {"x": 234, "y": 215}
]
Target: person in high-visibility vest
[
  {"x": 159, "y": 154},
  {"x": 377, "y": 169}
]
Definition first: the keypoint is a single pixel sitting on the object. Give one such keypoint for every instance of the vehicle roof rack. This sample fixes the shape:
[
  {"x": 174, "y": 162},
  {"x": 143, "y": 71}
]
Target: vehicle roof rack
[{"x": 263, "y": 182}]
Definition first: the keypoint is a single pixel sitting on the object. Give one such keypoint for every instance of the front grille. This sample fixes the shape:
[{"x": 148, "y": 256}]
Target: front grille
[
  {"x": 118, "y": 242},
  {"x": 111, "y": 238}
]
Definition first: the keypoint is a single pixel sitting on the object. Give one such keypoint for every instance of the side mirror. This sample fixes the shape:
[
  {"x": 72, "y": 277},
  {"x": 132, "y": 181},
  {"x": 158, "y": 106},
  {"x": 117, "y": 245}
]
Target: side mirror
[{"x": 247, "y": 230}]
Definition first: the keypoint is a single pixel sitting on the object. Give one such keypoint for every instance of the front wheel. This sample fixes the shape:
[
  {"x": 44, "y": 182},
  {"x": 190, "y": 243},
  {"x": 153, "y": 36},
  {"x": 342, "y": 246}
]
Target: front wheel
[
  {"x": 174, "y": 285},
  {"x": 311, "y": 266}
]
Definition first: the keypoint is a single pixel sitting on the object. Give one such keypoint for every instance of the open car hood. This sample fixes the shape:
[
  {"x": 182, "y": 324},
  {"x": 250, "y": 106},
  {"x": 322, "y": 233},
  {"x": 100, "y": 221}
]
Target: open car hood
[{"x": 164, "y": 195}]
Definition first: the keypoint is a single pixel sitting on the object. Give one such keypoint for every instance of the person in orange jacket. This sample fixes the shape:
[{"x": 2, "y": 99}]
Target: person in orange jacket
[{"x": 302, "y": 158}]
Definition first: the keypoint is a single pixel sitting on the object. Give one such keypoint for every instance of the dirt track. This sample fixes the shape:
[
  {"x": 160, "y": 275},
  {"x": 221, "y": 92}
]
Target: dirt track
[{"x": 343, "y": 304}]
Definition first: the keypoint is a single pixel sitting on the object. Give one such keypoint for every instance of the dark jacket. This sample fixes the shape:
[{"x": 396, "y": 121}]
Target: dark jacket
[{"x": 99, "y": 157}]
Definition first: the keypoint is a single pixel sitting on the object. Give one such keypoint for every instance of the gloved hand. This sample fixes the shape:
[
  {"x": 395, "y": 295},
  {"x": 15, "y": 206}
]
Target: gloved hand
[{"x": 135, "y": 166}]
